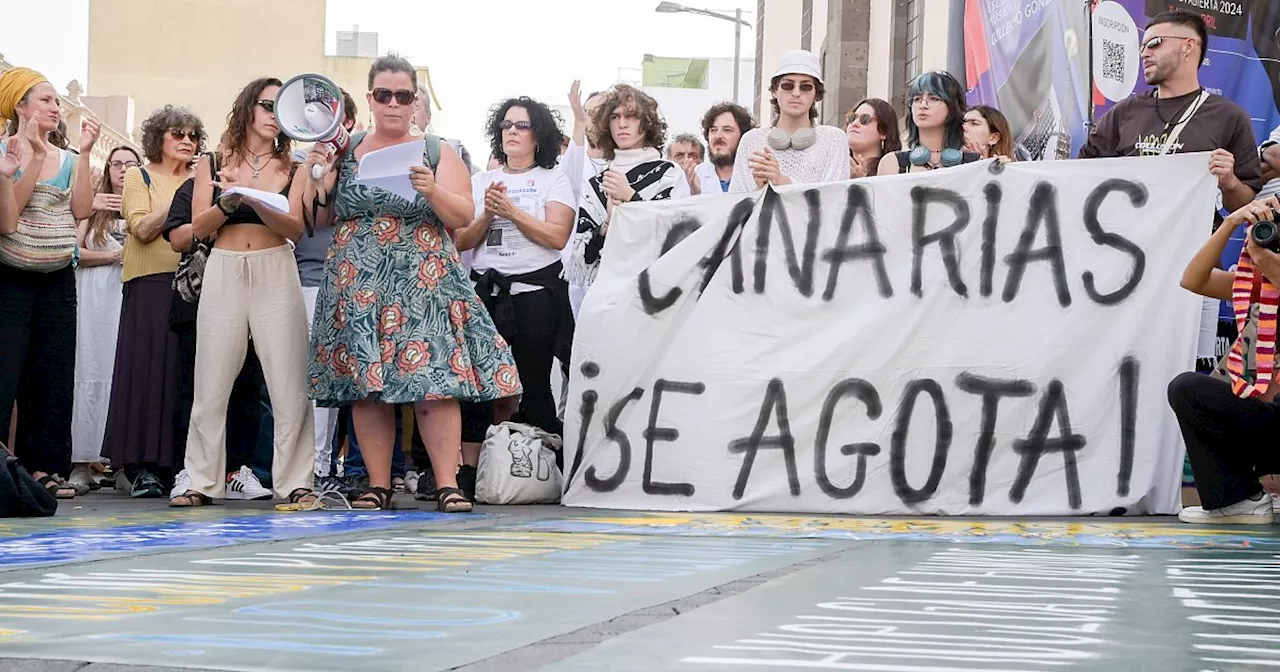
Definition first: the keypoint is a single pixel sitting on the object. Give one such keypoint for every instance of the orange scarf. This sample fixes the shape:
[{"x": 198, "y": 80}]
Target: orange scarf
[{"x": 1251, "y": 287}]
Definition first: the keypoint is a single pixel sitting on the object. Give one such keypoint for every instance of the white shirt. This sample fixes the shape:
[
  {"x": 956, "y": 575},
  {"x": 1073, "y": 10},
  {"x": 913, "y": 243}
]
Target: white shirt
[
  {"x": 505, "y": 248},
  {"x": 708, "y": 180},
  {"x": 827, "y": 160}
]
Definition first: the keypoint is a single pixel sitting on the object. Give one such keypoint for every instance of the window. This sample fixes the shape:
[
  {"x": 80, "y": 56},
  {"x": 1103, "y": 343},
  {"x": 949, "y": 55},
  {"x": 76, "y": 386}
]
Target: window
[
  {"x": 915, "y": 39},
  {"x": 806, "y": 25},
  {"x": 759, "y": 56}
]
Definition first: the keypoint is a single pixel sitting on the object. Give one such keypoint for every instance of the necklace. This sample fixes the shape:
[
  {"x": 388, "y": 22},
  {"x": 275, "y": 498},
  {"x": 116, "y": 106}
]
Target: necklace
[
  {"x": 253, "y": 163},
  {"x": 1177, "y": 117},
  {"x": 516, "y": 171}
]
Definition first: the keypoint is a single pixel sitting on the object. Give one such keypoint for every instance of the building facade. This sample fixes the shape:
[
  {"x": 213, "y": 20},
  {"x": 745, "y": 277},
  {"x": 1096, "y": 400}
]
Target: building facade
[
  {"x": 868, "y": 48},
  {"x": 205, "y": 68},
  {"x": 686, "y": 88}
]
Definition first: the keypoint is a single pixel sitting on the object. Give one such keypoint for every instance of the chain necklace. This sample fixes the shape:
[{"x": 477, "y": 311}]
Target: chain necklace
[{"x": 253, "y": 163}]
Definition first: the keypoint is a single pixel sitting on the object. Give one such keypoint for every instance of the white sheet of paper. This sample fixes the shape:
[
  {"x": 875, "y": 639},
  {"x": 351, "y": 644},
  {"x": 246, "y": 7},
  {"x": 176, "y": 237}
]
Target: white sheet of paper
[
  {"x": 270, "y": 199},
  {"x": 388, "y": 168}
]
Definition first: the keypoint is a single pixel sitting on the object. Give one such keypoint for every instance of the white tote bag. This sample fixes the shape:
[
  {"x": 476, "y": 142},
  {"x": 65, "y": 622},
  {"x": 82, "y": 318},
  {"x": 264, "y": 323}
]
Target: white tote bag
[{"x": 518, "y": 466}]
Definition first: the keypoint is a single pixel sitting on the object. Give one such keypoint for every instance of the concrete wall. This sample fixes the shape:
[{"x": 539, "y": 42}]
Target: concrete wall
[{"x": 198, "y": 52}]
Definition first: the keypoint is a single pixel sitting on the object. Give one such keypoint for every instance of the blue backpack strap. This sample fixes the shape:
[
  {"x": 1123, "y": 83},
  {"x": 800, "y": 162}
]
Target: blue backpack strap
[{"x": 146, "y": 177}]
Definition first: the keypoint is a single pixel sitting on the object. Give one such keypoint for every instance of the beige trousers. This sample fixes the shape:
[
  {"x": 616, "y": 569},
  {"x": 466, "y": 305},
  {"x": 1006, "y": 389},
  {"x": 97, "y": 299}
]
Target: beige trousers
[{"x": 258, "y": 294}]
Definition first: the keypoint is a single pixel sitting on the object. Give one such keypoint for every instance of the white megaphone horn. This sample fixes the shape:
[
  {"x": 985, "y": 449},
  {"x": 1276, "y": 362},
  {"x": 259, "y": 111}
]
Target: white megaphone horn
[{"x": 309, "y": 109}]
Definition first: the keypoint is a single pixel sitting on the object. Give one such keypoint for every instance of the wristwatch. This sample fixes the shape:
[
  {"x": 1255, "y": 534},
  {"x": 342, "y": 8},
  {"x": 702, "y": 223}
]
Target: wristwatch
[{"x": 222, "y": 205}]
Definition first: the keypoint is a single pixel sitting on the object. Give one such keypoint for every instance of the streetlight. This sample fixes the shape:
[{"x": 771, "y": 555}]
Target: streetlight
[{"x": 674, "y": 8}]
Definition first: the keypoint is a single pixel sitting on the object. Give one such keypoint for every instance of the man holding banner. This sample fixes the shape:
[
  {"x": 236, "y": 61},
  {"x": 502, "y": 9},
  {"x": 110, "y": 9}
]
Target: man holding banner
[{"x": 1179, "y": 116}]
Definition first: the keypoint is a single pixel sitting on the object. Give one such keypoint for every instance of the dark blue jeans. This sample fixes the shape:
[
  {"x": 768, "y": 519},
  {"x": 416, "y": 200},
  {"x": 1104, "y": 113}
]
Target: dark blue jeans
[{"x": 354, "y": 465}]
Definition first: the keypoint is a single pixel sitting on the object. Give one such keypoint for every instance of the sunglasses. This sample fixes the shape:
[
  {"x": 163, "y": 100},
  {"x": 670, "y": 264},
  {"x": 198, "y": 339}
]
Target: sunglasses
[
  {"x": 507, "y": 124},
  {"x": 268, "y": 105},
  {"x": 403, "y": 97},
  {"x": 123, "y": 164},
  {"x": 193, "y": 136},
  {"x": 863, "y": 119},
  {"x": 789, "y": 86},
  {"x": 1159, "y": 40}
]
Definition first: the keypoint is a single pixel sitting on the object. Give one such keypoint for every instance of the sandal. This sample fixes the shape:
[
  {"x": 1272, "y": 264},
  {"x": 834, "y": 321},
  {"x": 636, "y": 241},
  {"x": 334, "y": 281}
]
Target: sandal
[
  {"x": 57, "y": 487},
  {"x": 191, "y": 498},
  {"x": 304, "y": 497},
  {"x": 373, "y": 499},
  {"x": 452, "y": 500}
]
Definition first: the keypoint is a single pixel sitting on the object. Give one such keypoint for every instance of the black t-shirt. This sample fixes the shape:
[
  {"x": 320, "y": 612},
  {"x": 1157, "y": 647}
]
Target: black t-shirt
[
  {"x": 180, "y": 312},
  {"x": 1140, "y": 125}
]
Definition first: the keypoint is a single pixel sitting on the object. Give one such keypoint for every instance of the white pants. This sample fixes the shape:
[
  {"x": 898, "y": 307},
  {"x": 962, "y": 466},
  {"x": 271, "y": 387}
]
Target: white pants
[
  {"x": 256, "y": 294},
  {"x": 325, "y": 420}
]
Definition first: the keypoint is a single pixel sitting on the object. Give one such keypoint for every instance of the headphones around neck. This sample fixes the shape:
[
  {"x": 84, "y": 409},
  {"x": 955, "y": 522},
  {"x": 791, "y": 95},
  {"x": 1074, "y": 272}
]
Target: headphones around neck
[
  {"x": 800, "y": 140},
  {"x": 950, "y": 156}
]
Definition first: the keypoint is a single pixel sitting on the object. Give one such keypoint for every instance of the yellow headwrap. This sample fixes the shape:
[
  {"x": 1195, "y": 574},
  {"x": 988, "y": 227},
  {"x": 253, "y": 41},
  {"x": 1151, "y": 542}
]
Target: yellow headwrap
[{"x": 14, "y": 84}]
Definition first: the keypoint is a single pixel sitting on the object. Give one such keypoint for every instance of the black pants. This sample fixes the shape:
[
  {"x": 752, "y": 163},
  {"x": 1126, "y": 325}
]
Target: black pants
[
  {"x": 1230, "y": 441},
  {"x": 244, "y": 411},
  {"x": 38, "y": 364},
  {"x": 533, "y": 345}
]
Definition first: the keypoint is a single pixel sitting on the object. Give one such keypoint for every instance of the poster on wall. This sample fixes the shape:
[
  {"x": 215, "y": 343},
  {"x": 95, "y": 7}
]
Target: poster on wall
[
  {"x": 980, "y": 340},
  {"x": 1030, "y": 60}
]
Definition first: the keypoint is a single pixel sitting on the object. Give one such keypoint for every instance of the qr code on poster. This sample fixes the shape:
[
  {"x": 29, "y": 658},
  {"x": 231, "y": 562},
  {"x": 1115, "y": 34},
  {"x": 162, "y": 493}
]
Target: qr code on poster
[{"x": 1113, "y": 61}]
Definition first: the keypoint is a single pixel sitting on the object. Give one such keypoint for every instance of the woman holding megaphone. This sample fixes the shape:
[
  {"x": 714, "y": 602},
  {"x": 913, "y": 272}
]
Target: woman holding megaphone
[
  {"x": 250, "y": 290},
  {"x": 397, "y": 320}
]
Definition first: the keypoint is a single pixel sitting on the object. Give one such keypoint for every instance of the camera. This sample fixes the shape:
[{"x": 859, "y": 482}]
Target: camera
[{"x": 1267, "y": 234}]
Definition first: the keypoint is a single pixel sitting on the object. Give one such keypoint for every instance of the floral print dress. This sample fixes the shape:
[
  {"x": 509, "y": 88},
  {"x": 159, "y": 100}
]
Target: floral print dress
[{"x": 397, "y": 320}]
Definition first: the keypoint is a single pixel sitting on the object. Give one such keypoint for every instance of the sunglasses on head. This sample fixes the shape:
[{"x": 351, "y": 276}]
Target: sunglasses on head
[
  {"x": 268, "y": 105},
  {"x": 403, "y": 97},
  {"x": 863, "y": 119},
  {"x": 805, "y": 87},
  {"x": 179, "y": 134},
  {"x": 507, "y": 124}
]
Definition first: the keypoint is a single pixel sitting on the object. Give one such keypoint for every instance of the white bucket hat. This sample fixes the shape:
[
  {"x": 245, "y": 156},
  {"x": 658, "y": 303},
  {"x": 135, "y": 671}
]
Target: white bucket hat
[{"x": 799, "y": 62}]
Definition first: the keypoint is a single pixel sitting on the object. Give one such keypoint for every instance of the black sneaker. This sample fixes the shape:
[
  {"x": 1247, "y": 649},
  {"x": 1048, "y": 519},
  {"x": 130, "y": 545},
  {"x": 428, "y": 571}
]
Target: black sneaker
[
  {"x": 426, "y": 491},
  {"x": 467, "y": 481},
  {"x": 146, "y": 486}
]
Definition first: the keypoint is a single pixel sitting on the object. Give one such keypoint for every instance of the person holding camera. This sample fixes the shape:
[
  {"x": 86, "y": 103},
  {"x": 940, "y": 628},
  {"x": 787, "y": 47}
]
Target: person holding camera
[{"x": 1228, "y": 418}]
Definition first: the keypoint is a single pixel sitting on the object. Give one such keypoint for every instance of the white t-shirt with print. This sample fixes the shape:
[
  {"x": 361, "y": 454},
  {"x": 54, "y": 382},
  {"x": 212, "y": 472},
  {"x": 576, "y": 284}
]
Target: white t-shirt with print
[{"x": 505, "y": 248}]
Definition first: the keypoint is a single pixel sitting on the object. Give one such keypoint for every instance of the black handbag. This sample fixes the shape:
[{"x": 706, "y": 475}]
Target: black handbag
[
  {"x": 20, "y": 495},
  {"x": 189, "y": 277}
]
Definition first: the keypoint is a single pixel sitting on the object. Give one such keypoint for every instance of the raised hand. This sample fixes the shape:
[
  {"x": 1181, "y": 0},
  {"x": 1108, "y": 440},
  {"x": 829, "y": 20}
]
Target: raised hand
[
  {"x": 11, "y": 158},
  {"x": 575, "y": 101},
  {"x": 90, "y": 130}
]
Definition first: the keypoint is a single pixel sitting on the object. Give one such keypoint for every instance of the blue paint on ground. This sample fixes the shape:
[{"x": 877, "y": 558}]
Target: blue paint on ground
[{"x": 80, "y": 544}]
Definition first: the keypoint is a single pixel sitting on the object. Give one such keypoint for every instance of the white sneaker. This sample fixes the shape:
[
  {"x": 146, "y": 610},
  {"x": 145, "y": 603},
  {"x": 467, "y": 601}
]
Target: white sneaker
[
  {"x": 1254, "y": 511},
  {"x": 411, "y": 481},
  {"x": 244, "y": 484},
  {"x": 181, "y": 484}
]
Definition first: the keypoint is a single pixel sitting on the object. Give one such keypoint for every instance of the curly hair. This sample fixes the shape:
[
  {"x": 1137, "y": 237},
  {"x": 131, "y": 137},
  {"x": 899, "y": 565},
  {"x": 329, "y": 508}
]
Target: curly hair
[
  {"x": 161, "y": 122},
  {"x": 740, "y": 116},
  {"x": 231, "y": 146},
  {"x": 546, "y": 130},
  {"x": 652, "y": 125}
]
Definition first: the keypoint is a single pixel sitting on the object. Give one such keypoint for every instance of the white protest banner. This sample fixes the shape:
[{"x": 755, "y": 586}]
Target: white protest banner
[{"x": 979, "y": 340}]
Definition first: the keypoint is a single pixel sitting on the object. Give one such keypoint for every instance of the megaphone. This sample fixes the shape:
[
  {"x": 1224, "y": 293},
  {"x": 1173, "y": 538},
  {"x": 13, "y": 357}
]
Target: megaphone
[{"x": 309, "y": 109}]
